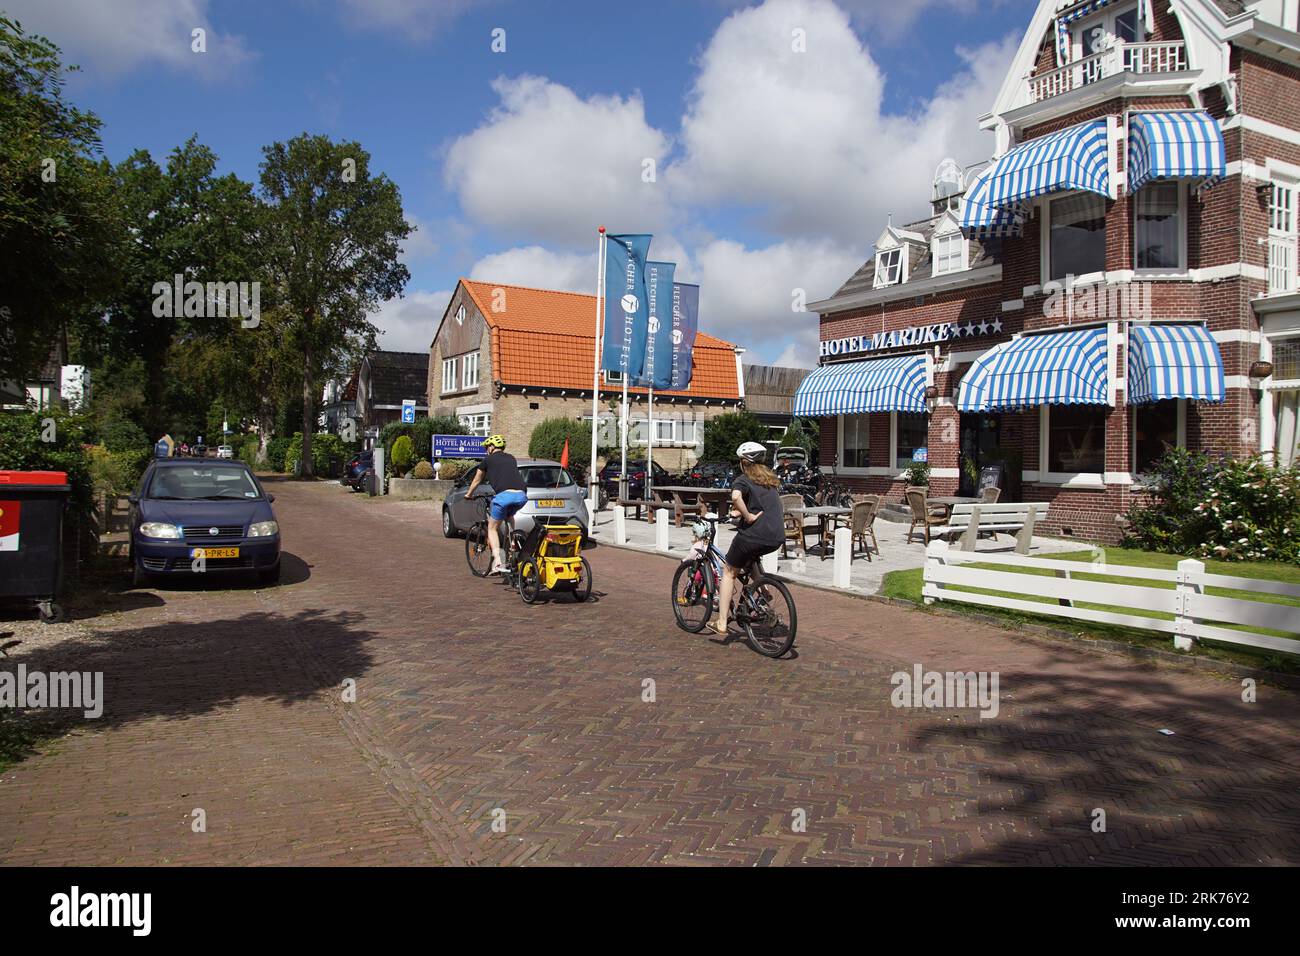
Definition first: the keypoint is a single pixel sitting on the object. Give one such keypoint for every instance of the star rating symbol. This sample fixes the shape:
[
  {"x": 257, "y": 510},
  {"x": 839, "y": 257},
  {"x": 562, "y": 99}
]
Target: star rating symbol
[
  {"x": 997, "y": 325},
  {"x": 984, "y": 328},
  {"x": 970, "y": 329}
]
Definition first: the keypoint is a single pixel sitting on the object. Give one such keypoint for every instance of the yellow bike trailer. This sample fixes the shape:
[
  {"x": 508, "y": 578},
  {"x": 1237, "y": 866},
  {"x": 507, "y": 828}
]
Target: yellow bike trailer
[{"x": 553, "y": 561}]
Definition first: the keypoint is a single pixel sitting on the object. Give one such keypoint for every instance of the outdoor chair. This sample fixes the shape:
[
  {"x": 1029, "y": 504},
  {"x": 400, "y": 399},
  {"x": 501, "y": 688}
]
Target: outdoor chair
[
  {"x": 922, "y": 514},
  {"x": 990, "y": 497},
  {"x": 861, "y": 523},
  {"x": 793, "y": 524}
]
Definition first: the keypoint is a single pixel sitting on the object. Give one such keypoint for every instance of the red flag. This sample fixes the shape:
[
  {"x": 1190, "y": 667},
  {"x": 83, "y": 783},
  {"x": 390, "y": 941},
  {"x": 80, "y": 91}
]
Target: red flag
[{"x": 564, "y": 455}]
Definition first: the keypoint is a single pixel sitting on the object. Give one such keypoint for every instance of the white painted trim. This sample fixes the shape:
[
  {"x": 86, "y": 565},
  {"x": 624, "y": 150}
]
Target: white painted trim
[
  {"x": 1236, "y": 335},
  {"x": 1230, "y": 270},
  {"x": 1113, "y": 341},
  {"x": 1013, "y": 305},
  {"x": 945, "y": 473},
  {"x": 1237, "y": 381},
  {"x": 478, "y": 409},
  {"x": 1029, "y": 291},
  {"x": 1262, "y": 126},
  {"x": 740, "y": 374}
]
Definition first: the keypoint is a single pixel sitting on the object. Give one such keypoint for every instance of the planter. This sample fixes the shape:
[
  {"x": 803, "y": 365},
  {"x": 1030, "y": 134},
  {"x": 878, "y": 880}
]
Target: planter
[{"x": 419, "y": 488}]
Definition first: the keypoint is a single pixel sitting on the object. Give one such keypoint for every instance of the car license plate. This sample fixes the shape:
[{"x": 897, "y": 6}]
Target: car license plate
[
  {"x": 550, "y": 502},
  {"x": 214, "y": 553}
]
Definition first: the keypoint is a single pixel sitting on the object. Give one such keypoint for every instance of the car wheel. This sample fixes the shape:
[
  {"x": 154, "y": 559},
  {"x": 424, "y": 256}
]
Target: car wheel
[{"x": 449, "y": 529}]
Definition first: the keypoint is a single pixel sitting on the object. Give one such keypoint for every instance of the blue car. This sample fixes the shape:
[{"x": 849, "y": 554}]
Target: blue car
[{"x": 191, "y": 516}]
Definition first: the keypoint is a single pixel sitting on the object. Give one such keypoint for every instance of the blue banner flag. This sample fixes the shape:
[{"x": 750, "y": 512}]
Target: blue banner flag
[
  {"x": 686, "y": 322},
  {"x": 627, "y": 313},
  {"x": 658, "y": 371}
]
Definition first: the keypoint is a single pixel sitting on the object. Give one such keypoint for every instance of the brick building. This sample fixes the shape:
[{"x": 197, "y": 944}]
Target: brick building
[
  {"x": 504, "y": 358},
  {"x": 384, "y": 381},
  {"x": 1120, "y": 278}
]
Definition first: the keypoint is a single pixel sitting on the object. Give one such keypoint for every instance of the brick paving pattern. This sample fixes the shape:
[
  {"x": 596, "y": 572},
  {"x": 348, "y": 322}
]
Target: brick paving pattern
[{"x": 469, "y": 702}]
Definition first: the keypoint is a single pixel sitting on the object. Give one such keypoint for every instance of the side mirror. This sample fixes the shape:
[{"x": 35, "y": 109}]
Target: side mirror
[{"x": 270, "y": 498}]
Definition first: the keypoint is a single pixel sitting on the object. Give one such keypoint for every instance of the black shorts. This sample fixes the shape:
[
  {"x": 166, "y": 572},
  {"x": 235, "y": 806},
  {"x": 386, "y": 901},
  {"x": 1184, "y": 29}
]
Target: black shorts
[{"x": 745, "y": 550}]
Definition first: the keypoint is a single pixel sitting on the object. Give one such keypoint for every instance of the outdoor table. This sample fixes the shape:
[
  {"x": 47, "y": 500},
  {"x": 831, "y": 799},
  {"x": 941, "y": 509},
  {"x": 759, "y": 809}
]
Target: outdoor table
[
  {"x": 679, "y": 493},
  {"x": 949, "y": 500},
  {"x": 824, "y": 515}
]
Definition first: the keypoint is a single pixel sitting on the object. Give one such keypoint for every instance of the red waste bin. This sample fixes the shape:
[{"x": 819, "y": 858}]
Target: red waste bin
[{"x": 32, "y": 504}]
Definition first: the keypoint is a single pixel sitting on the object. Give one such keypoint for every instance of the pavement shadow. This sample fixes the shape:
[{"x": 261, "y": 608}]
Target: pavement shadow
[
  {"x": 176, "y": 671},
  {"x": 293, "y": 570},
  {"x": 1065, "y": 745}
]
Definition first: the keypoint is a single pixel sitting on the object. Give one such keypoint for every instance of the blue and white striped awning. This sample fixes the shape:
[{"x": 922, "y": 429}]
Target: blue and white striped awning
[
  {"x": 895, "y": 384},
  {"x": 1185, "y": 144},
  {"x": 1076, "y": 158},
  {"x": 1173, "y": 361},
  {"x": 1054, "y": 368}
]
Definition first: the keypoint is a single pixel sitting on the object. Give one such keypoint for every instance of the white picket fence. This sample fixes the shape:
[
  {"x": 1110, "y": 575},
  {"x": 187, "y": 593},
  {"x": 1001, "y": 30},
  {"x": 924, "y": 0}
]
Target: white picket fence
[{"x": 1195, "y": 613}]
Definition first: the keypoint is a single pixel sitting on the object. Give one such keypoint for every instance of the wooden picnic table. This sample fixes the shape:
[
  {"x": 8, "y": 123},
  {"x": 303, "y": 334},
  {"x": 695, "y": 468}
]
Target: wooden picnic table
[
  {"x": 947, "y": 501},
  {"x": 697, "y": 494},
  {"x": 824, "y": 515}
]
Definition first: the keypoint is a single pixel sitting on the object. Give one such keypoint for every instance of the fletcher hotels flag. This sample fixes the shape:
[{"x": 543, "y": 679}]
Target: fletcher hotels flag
[
  {"x": 627, "y": 313},
  {"x": 686, "y": 321},
  {"x": 658, "y": 371}
]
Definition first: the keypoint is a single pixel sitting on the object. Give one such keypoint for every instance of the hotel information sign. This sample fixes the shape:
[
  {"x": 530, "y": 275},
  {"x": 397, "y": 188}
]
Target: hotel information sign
[{"x": 913, "y": 336}]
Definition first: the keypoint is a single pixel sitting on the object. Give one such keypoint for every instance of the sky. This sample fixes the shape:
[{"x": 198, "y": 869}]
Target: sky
[{"x": 763, "y": 144}]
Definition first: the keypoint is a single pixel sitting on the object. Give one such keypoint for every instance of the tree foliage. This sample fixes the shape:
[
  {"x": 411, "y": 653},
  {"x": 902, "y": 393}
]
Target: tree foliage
[
  {"x": 724, "y": 434},
  {"x": 549, "y": 436}
]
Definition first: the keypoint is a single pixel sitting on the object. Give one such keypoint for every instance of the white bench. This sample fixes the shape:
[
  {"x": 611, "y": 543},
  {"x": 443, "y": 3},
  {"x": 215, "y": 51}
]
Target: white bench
[{"x": 972, "y": 520}]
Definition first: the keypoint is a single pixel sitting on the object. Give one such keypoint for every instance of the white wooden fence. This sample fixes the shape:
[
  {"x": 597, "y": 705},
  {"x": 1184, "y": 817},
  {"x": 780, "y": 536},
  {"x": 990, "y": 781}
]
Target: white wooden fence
[{"x": 1195, "y": 613}]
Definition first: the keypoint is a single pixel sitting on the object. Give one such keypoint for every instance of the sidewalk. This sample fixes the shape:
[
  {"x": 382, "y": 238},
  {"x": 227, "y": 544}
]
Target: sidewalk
[{"x": 866, "y": 577}]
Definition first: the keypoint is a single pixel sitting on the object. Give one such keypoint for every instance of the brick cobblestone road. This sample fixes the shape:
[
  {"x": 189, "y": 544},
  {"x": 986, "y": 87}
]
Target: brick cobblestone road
[{"x": 469, "y": 702}]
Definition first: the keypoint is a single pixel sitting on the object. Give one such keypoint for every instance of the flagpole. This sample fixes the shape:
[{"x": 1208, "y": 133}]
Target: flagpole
[
  {"x": 622, "y": 471},
  {"x": 650, "y": 446},
  {"x": 593, "y": 483}
]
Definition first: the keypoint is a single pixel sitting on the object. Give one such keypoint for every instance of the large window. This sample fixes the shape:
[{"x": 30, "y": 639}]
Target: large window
[
  {"x": 1282, "y": 269},
  {"x": 669, "y": 432},
  {"x": 1076, "y": 236},
  {"x": 478, "y": 423},
  {"x": 469, "y": 371},
  {"x": 1158, "y": 228},
  {"x": 1100, "y": 33},
  {"x": 449, "y": 383},
  {"x": 889, "y": 267},
  {"x": 1076, "y": 439},
  {"x": 1155, "y": 431},
  {"x": 949, "y": 253},
  {"x": 856, "y": 440},
  {"x": 911, "y": 431}
]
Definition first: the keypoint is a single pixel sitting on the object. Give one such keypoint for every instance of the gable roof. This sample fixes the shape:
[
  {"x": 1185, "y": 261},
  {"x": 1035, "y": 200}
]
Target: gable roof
[
  {"x": 922, "y": 267},
  {"x": 545, "y": 339},
  {"x": 395, "y": 376}
]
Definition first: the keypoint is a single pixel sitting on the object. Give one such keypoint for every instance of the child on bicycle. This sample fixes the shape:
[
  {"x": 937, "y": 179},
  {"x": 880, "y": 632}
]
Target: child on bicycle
[
  {"x": 500, "y": 470},
  {"x": 755, "y": 498}
]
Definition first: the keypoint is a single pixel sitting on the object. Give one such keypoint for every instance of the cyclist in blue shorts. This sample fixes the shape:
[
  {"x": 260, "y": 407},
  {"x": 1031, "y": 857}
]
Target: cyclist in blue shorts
[{"x": 500, "y": 470}]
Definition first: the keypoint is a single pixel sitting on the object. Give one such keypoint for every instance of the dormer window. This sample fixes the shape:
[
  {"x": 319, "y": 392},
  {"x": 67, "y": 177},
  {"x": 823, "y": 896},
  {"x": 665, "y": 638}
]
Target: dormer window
[
  {"x": 889, "y": 267},
  {"x": 1099, "y": 33},
  {"x": 949, "y": 253}
]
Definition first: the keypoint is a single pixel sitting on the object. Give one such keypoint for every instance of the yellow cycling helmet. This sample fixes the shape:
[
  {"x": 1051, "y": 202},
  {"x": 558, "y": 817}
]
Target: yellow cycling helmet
[{"x": 496, "y": 441}]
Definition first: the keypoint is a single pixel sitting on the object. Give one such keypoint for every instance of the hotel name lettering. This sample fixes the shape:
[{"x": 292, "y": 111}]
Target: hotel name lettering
[{"x": 915, "y": 335}]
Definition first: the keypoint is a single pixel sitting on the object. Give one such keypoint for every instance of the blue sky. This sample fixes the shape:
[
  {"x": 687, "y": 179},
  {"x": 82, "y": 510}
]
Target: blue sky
[{"x": 775, "y": 168}]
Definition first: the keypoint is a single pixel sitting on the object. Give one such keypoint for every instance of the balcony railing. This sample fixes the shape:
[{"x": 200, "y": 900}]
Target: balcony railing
[
  {"x": 1281, "y": 264},
  {"x": 1120, "y": 58}
]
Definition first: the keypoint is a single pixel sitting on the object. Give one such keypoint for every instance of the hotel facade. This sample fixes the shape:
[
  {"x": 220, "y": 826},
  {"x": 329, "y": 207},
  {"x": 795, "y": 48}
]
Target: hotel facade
[{"x": 1119, "y": 279}]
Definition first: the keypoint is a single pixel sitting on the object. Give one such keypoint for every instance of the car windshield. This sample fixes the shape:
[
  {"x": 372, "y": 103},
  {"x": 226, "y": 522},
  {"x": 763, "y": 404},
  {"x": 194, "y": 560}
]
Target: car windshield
[
  {"x": 199, "y": 482},
  {"x": 545, "y": 476}
]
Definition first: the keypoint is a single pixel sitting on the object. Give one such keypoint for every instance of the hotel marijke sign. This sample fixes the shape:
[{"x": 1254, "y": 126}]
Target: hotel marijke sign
[{"x": 898, "y": 338}]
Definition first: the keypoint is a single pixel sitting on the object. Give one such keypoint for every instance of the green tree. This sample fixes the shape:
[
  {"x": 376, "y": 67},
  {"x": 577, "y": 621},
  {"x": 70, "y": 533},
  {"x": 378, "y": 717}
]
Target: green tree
[
  {"x": 802, "y": 433},
  {"x": 332, "y": 234},
  {"x": 548, "y": 437},
  {"x": 61, "y": 229},
  {"x": 724, "y": 434}
]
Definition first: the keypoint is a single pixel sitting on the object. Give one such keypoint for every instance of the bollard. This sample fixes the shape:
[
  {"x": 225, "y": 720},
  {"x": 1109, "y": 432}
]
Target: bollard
[
  {"x": 843, "y": 556},
  {"x": 661, "y": 532},
  {"x": 770, "y": 565},
  {"x": 591, "y": 517},
  {"x": 620, "y": 525}
]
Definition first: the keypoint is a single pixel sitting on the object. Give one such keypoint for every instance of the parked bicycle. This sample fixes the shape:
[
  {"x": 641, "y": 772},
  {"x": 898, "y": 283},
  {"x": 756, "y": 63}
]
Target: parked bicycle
[{"x": 764, "y": 607}]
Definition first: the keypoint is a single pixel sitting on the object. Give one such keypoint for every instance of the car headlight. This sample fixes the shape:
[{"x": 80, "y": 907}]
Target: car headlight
[
  {"x": 159, "y": 529},
  {"x": 263, "y": 529}
]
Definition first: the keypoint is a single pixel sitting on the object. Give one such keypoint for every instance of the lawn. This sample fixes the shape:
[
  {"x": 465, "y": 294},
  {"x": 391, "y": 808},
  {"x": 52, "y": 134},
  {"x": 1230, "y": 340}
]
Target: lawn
[{"x": 906, "y": 585}]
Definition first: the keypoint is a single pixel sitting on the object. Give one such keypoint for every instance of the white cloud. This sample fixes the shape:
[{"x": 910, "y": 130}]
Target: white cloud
[
  {"x": 539, "y": 268},
  {"x": 802, "y": 139},
  {"x": 119, "y": 36},
  {"x": 549, "y": 166},
  {"x": 413, "y": 19},
  {"x": 407, "y": 324}
]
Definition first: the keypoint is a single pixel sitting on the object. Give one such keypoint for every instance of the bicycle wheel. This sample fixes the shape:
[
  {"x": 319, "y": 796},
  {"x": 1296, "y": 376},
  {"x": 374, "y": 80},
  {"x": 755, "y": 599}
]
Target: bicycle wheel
[
  {"x": 477, "y": 552},
  {"x": 530, "y": 582},
  {"x": 693, "y": 588},
  {"x": 582, "y": 587},
  {"x": 770, "y": 620}
]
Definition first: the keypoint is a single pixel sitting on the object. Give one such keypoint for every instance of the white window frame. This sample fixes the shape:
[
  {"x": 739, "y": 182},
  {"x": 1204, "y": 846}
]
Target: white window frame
[
  {"x": 682, "y": 432},
  {"x": 1286, "y": 232},
  {"x": 963, "y": 245},
  {"x": 452, "y": 365},
  {"x": 469, "y": 370},
  {"x": 1106, "y": 17},
  {"x": 1180, "y": 435},
  {"x": 1045, "y": 241},
  {"x": 612, "y": 378},
  {"x": 842, "y": 468},
  {"x": 460, "y": 315},
  {"x": 880, "y": 282},
  {"x": 477, "y": 419},
  {"x": 1181, "y": 271},
  {"x": 1080, "y": 479},
  {"x": 893, "y": 442}
]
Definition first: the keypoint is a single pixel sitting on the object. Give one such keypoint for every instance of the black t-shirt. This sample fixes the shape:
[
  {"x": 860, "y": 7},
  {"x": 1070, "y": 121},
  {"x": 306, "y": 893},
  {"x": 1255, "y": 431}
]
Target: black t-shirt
[
  {"x": 502, "y": 472},
  {"x": 770, "y": 527}
]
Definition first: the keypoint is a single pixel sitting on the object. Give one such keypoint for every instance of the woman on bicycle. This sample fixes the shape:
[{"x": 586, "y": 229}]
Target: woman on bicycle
[{"x": 754, "y": 497}]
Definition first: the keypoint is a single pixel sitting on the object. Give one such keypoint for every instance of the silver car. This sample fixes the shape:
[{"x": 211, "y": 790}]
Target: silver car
[{"x": 551, "y": 492}]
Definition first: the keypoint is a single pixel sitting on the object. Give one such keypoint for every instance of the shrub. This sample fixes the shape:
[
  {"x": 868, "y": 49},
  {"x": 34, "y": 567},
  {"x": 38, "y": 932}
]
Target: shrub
[
  {"x": 724, "y": 434},
  {"x": 918, "y": 474},
  {"x": 1233, "y": 509},
  {"x": 324, "y": 447},
  {"x": 118, "y": 471},
  {"x": 548, "y": 438},
  {"x": 403, "y": 454},
  {"x": 21, "y": 449},
  {"x": 123, "y": 435},
  {"x": 277, "y": 451},
  {"x": 452, "y": 469},
  {"x": 421, "y": 433},
  {"x": 249, "y": 450},
  {"x": 423, "y": 470}
]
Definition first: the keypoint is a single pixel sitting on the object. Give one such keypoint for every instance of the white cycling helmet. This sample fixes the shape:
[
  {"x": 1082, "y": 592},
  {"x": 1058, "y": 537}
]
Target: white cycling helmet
[{"x": 751, "y": 451}]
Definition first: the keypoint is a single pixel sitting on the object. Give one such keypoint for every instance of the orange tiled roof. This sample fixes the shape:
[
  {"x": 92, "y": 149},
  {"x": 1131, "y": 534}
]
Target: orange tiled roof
[{"x": 545, "y": 339}]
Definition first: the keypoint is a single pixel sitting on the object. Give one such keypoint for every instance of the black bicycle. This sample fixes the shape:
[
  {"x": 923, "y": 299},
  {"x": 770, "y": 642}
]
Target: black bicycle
[
  {"x": 764, "y": 608},
  {"x": 478, "y": 552}
]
